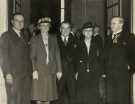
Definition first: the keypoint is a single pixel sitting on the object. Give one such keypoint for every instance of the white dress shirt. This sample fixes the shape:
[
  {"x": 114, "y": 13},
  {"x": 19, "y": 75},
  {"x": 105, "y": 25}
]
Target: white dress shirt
[
  {"x": 17, "y": 32},
  {"x": 88, "y": 44},
  {"x": 45, "y": 40},
  {"x": 63, "y": 38}
]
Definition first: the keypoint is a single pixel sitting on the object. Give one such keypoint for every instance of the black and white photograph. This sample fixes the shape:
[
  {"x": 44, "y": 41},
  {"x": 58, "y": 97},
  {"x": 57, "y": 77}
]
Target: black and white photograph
[{"x": 67, "y": 51}]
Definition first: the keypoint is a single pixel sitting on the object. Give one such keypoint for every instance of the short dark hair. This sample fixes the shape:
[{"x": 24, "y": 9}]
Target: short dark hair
[
  {"x": 15, "y": 14},
  {"x": 66, "y": 22}
]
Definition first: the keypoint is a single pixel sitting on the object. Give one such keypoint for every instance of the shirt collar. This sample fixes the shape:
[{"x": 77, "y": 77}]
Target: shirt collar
[
  {"x": 63, "y": 37},
  {"x": 114, "y": 33},
  {"x": 17, "y": 32},
  {"x": 117, "y": 32}
]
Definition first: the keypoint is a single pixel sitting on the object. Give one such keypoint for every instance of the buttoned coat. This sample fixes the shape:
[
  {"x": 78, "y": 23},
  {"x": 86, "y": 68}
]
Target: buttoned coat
[
  {"x": 89, "y": 71},
  {"x": 45, "y": 89},
  {"x": 16, "y": 61},
  {"x": 119, "y": 62}
]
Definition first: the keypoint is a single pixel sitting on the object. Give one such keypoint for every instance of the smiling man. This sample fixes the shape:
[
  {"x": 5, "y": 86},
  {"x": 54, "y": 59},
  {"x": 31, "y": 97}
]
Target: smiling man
[{"x": 16, "y": 62}]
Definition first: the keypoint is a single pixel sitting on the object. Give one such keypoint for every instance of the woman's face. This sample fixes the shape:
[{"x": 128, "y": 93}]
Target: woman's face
[
  {"x": 44, "y": 27},
  {"x": 88, "y": 32}
]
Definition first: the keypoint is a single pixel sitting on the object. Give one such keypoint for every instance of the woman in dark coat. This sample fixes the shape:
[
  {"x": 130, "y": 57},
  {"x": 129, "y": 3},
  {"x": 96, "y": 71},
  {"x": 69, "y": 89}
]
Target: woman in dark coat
[
  {"x": 46, "y": 64},
  {"x": 88, "y": 65}
]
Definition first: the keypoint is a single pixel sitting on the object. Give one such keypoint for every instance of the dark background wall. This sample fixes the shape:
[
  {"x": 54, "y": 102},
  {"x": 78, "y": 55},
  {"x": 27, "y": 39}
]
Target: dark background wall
[
  {"x": 76, "y": 11},
  {"x": 49, "y": 8},
  {"x": 126, "y": 13},
  {"x": 88, "y": 10},
  {"x": 25, "y": 10}
]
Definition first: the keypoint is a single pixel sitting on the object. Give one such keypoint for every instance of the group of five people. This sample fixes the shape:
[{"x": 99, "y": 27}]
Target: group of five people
[{"x": 65, "y": 69}]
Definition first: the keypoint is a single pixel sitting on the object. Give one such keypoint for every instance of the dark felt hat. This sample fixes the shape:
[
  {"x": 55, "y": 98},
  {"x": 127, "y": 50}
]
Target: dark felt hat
[{"x": 87, "y": 25}]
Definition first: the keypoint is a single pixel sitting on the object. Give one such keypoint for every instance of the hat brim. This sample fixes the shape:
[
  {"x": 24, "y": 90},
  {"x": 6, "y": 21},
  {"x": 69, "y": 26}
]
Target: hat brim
[{"x": 44, "y": 22}]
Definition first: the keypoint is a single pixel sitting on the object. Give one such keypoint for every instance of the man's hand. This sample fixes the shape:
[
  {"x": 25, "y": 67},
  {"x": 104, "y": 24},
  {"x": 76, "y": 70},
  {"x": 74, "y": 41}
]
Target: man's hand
[
  {"x": 59, "y": 75},
  {"x": 76, "y": 76},
  {"x": 35, "y": 75},
  {"x": 9, "y": 79}
]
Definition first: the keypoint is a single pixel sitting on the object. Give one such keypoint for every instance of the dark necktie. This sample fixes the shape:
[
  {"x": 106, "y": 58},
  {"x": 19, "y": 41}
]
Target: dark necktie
[{"x": 65, "y": 41}]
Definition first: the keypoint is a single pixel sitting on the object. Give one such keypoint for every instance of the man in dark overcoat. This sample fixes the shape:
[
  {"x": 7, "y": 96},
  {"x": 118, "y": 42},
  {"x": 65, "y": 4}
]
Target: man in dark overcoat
[
  {"x": 16, "y": 62},
  {"x": 67, "y": 45},
  {"x": 119, "y": 62}
]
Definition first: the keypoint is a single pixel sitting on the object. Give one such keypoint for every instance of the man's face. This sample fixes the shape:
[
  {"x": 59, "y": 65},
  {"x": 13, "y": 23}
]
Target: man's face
[
  {"x": 65, "y": 29},
  {"x": 116, "y": 25},
  {"x": 44, "y": 27},
  {"x": 18, "y": 22},
  {"x": 96, "y": 30},
  {"x": 88, "y": 32}
]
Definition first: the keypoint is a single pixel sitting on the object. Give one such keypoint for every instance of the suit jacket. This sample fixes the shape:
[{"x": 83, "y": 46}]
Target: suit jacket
[
  {"x": 99, "y": 41},
  {"x": 39, "y": 60},
  {"x": 67, "y": 53},
  {"x": 120, "y": 54},
  {"x": 15, "y": 55},
  {"x": 119, "y": 62}
]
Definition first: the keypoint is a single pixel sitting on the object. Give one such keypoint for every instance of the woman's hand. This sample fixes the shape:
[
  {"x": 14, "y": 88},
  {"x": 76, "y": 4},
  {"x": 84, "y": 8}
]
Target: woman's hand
[
  {"x": 9, "y": 79},
  {"x": 35, "y": 75},
  {"x": 59, "y": 75}
]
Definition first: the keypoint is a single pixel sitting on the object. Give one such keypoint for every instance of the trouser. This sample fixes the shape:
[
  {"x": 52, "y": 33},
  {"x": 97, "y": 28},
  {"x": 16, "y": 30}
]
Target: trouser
[
  {"x": 19, "y": 92},
  {"x": 66, "y": 89}
]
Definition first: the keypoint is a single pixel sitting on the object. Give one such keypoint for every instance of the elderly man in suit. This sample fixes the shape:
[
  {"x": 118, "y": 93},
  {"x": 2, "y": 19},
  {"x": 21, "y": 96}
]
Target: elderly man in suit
[
  {"x": 67, "y": 44},
  {"x": 119, "y": 62},
  {"x": 46, "y": 62},
  {"x": 16, "y": 63}
]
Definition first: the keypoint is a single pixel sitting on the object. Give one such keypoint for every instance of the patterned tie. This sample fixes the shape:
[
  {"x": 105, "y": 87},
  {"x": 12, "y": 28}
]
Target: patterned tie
[{"x": 115, "y": 36}]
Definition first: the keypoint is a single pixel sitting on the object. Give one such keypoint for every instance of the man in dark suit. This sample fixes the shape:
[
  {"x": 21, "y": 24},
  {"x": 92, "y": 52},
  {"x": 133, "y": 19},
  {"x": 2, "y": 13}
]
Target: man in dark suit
[
  {"x": 119, "y": 62},
  {"x": 67, "y": 46},
  {"x": 16, "y": 62}
]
